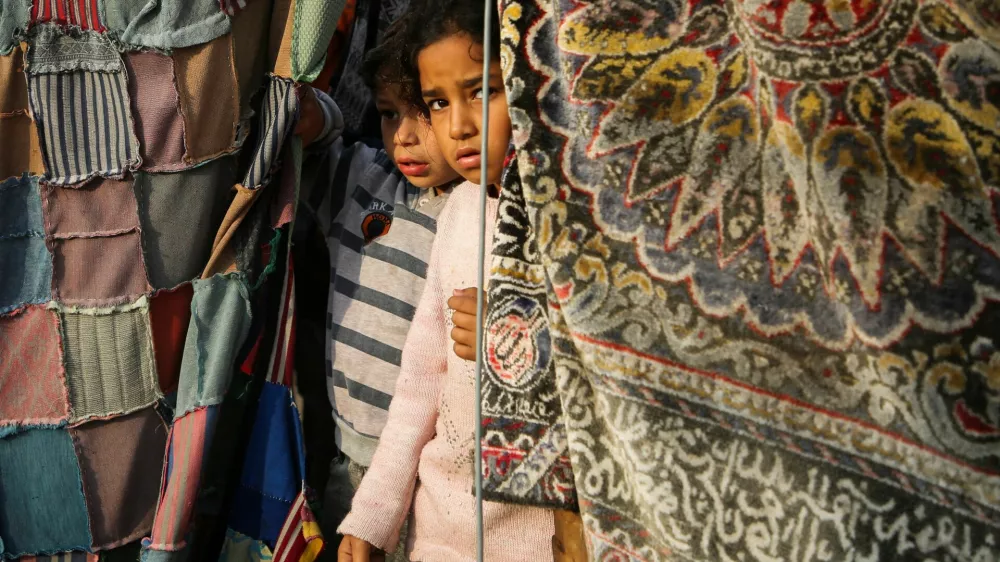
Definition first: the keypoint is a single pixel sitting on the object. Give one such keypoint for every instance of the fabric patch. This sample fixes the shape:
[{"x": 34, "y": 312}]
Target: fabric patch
[
  {"x": 77, "y": 13},
  {"x": 315, "y": 24},
  {"x": 169, "y": 316},
  {"x": 280, "y": 43},
  {"x": 207, "y": 86},
  {"x": 177, "y": 239},
  {"x": 21, "y": 150},
  {"x": 109, "y": 359},
  {"x": 54, "y": 49},
  {"x": 32, "y": 388},
  {"x": 190, "y": 438},
  {"x": 283, "y": 208},
  {"x": 239, "y": 547},
  {"x": 24, "y": 259},
  {"x": 278, "y": 115},
  {"x": 13, "y": 85},
  {"x": 99, "y": 271},
  {"x": 223, "y": 254},
  {"x": 84, "y": 124},
  {"x": 273, "y": 468},
  {"x": 249, "y": 48},
  {"x": 301, "y": 538},
  {"x": 98, "y": 208},
  {"x": 220, "y": 321},
  {"x": 155, "y": 105},
  {"x": 166, "y": 24},
  {"x": 14, "y": 20},
  {"x": 95, "y": 223},
  {"x": 41, "y": 498},
  {"x": 121, "y": 461}
]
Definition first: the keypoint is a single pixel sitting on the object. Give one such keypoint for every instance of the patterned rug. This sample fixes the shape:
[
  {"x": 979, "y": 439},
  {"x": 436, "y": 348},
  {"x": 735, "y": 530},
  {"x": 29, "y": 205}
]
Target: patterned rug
[{"x": 745, "y": 306}]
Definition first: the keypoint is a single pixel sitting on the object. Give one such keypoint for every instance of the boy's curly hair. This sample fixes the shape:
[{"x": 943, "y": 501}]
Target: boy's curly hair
[{"x": 394, "y": 60}]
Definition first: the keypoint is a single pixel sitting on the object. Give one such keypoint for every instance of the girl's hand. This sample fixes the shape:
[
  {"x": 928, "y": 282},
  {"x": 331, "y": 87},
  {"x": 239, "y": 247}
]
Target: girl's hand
[
  {"x": 464, "y": 317},
  {"x": 353, "y": 549}
]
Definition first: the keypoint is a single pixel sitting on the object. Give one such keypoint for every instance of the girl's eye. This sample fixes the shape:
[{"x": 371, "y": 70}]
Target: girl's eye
[
  {"x": 437, "y": 105},
  {"x": 389, "y": 115},
  {"x": 478, "y": 94}
]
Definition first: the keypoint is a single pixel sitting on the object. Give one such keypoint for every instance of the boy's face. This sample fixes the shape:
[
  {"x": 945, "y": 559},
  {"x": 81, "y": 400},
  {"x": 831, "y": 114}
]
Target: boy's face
[
  {"x": 451, "y": 79},
  {"x": 409, "y": 142}
]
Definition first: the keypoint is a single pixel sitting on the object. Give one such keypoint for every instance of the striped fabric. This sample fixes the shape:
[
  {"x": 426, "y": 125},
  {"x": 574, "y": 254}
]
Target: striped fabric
[
  {"x": 63, "y": 557},
  {"x": 300, "y": 539},
  {"x": 379, "y": 242},
  {"x": 189, "y": 439},
  {"x": 84, "y": 125},
  {"x": 283, "y": 351},
  {"x": 79, "y": 13},
  {"x": 278, "y": 113}
]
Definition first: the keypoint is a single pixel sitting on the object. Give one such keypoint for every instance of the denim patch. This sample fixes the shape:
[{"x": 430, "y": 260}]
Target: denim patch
[
  {"x": 32, "y": 385},
  {"x": 14, "y": 21},
  {"x": 24, "y": 258},
  {"x": 109, "y": 359},
  {"x": 121, "y": 461},
  {"x": 166, "y": 24},
  {"x": 220, "y": 321},
  {"x": 42, "y": 509},
  {"x": 56, "y": 49}
]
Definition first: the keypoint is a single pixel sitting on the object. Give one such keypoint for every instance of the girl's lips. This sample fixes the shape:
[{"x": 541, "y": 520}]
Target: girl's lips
[
  {"x": 412, "y": 168},
  {"x": 468, "y": 158}
]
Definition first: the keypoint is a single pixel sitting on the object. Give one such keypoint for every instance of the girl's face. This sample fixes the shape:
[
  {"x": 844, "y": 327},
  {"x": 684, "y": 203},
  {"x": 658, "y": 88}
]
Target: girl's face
[
  {"x": 451, "y": 81},
  {"x": 409, "y": 140}
]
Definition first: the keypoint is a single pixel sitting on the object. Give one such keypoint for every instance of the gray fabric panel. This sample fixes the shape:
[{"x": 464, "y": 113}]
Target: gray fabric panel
[{"x": 180, "y": 213}]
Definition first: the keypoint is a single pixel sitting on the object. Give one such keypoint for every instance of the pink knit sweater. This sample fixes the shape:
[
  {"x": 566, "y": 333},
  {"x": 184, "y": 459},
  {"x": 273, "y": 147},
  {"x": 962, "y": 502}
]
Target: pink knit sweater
[{"x": 431, "y": 426}]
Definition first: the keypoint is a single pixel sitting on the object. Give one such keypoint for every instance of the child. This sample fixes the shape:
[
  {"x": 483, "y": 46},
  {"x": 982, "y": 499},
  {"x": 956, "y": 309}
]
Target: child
[
  {"x": 380, "y": 229},
  {"x": 426, "y": 450}
]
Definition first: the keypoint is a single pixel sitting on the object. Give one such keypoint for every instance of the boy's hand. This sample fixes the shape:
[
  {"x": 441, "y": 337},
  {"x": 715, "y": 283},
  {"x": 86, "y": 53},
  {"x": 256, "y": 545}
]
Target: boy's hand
[
  {"x": 353, "y": 549},
  {"x": 464, "y": 317},
  {"x": 311, "y": 118}
]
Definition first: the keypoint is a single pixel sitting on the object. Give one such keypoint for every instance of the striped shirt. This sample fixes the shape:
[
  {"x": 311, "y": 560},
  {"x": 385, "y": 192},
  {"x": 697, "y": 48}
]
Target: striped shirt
[{"x": 380, "y": 239}]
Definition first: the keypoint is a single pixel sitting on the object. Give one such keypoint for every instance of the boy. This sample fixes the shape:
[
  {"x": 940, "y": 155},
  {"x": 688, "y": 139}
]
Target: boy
[{"x": 379, "y": 222}]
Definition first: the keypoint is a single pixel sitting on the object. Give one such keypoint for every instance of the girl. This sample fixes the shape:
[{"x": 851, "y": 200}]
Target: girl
[{"x": 430, "y": 429}]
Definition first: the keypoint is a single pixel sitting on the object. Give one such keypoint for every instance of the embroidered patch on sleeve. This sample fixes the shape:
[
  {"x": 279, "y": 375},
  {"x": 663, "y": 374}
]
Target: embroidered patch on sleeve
[
  {"x": 169, "y": 316},
  {"x": 77, "y": 13},
  {"x": 93, "y": 232},
  {"x": 208, "y": 90},
  {"x": 109, "y": 359},
  {"x": 219, "y": 324},
  {"x": 177, "y": 239},
  {"x": 83, "y": 117},
  {"x": 278, "y": 114},
  {"x": 24, "y": 259},
  {"x": 171, "y": 25},
  {"x": 32, "y": 385},
  {"x": 42, "y": 507},
  {"x": 156, "y": 107},
  {"x": 121, "y": 461}
]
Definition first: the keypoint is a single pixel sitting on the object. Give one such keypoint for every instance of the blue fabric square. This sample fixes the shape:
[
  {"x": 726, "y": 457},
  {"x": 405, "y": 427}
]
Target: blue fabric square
[
  {"x": 273, "y": 469},
  {"x": 24, "y": 259},
  {"x": 42, "y": 509}
]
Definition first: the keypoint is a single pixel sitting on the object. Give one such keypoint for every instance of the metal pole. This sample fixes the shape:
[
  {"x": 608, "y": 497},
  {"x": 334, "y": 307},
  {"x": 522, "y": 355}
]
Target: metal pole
[{"x": 484, "y": 187}]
